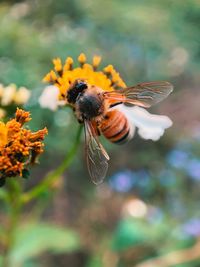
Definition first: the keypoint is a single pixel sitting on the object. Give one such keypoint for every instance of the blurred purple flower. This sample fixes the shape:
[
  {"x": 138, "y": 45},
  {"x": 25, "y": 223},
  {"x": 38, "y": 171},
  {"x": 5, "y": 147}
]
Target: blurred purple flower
[
  {"x": 192, "y": 227},
  {"x": 177, "y": 158},
  {"x": 193, "y": 169},
  {"x": 122, "y": 181}
]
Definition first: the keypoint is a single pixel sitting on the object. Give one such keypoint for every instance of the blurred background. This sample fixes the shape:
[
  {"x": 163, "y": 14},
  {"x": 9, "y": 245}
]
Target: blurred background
[{"x": 148, "y": 206}]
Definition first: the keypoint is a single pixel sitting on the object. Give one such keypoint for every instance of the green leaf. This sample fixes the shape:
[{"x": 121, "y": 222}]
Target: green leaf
[
  {"x": 34, "y": 238},
  {"x": 134, "y": 232},
  {"x": 127, "y": 234}
]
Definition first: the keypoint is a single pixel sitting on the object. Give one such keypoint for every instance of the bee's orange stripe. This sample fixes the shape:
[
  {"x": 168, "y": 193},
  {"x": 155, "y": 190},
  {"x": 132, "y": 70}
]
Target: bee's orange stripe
[{"x": 115, "y": 127}]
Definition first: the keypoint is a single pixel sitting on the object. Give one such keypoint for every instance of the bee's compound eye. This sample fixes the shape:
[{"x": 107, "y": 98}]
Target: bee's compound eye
[
  {"x": 81, "y": 86},
  {"x": 76, "y": 90}
]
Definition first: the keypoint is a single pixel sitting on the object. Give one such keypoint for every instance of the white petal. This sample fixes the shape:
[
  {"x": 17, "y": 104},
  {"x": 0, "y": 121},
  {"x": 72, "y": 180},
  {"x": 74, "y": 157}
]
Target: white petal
[
  {"x": 49, "y": 98},
  {"x": 8, "y": 95},
  {"x": 150, "y": 126},
  {"x": 22, "y": 96}
]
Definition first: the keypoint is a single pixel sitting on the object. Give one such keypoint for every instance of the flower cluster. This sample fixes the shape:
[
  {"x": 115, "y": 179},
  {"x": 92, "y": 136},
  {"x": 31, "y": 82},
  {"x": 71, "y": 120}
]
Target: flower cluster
[
  {"x": 11, "y": 95},
  {"x": 18, "y": 146},
  {"x": 63, "y": 75}
]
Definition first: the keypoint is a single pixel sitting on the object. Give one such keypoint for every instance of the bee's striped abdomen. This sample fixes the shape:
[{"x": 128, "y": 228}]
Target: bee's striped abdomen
[{"x": 116, "y": 128}]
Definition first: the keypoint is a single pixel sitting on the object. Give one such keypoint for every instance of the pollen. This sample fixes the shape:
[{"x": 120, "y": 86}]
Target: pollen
[
  {"x": 63, "y": 76},
  {"x": 18, "y": 146}
]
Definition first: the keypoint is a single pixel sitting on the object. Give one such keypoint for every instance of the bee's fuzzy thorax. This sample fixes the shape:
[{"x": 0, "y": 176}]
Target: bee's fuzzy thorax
[{"x": 89, "y": 103}]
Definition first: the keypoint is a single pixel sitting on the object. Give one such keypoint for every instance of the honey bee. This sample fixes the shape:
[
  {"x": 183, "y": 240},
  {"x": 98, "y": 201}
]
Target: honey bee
[{"x": 94, "y": 108}]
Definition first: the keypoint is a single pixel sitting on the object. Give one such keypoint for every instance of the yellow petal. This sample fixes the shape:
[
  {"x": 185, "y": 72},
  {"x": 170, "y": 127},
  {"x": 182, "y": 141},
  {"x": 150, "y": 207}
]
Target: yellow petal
[
  {"x": 108, "y": 69},
  {"x": 96, "y": 61},
  {"x": 82, "y": 58},
  {"x": 57, "y": 64}
]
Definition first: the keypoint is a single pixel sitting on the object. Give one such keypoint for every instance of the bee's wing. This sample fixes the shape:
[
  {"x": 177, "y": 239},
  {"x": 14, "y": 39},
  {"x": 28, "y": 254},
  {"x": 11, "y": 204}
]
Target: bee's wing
[
  {"x": 143, "y": 94},
  {"x": 97, "y": 157}
]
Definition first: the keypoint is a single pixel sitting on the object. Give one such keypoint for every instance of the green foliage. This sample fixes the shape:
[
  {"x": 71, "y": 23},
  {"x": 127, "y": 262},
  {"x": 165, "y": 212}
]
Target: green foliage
[
  {"x": 95, "y": 261},
  {"x": 34, "y": 238},
  {"x": 128, "y": 234},
  {"x": 133, "y": 232}
]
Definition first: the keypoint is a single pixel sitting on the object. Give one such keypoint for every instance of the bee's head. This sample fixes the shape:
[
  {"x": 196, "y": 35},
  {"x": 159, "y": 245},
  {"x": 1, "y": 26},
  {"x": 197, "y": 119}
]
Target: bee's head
[
  {"x": 80, "y": 85},
  {"x": 76, "y": 89}
]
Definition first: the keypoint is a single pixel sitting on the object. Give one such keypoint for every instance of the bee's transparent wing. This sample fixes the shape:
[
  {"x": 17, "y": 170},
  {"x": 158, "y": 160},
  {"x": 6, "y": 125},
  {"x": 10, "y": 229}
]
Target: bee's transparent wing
[
  {"x": 97, "y": 157},
  {"x": 143, "y": 94}
]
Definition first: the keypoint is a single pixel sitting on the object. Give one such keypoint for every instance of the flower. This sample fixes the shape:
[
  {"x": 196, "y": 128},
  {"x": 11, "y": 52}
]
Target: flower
[
  {"x": 193, "y": 168},
  {"x": 11, "y": 95},
  {"x": 8, "y": 94},
  {"x": 63, "y": 75},
  {"x": 150, "y": 126},
  {"x": 49, "y": 98},
  {"x": 178, "y": 158},
  {"x": 18, "y": 146},
  {"x": 192, "y": 227},
  {"x": 122, "y": 181},
  {"x": 22, "y": 96}
]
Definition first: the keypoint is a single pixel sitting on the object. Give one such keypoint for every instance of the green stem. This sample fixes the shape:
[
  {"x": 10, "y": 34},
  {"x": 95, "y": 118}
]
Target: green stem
[
  {"x": 50, "y": 178},
  {"x": 4, "y": 195},
  {"x": 15, "y": 205}
]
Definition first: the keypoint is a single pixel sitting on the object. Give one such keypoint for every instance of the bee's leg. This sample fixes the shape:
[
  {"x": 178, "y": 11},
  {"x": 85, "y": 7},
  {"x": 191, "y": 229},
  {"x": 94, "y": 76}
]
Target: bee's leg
[
  {"x": 80, "y": 119},
  {"x": 78, "y": 115}
]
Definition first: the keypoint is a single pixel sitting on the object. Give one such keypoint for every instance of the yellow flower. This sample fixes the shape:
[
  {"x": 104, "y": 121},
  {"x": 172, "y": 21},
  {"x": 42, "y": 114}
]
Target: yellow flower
[
  {"x": 18, "y": 145},
  {"x": 63, "y": 76}
]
